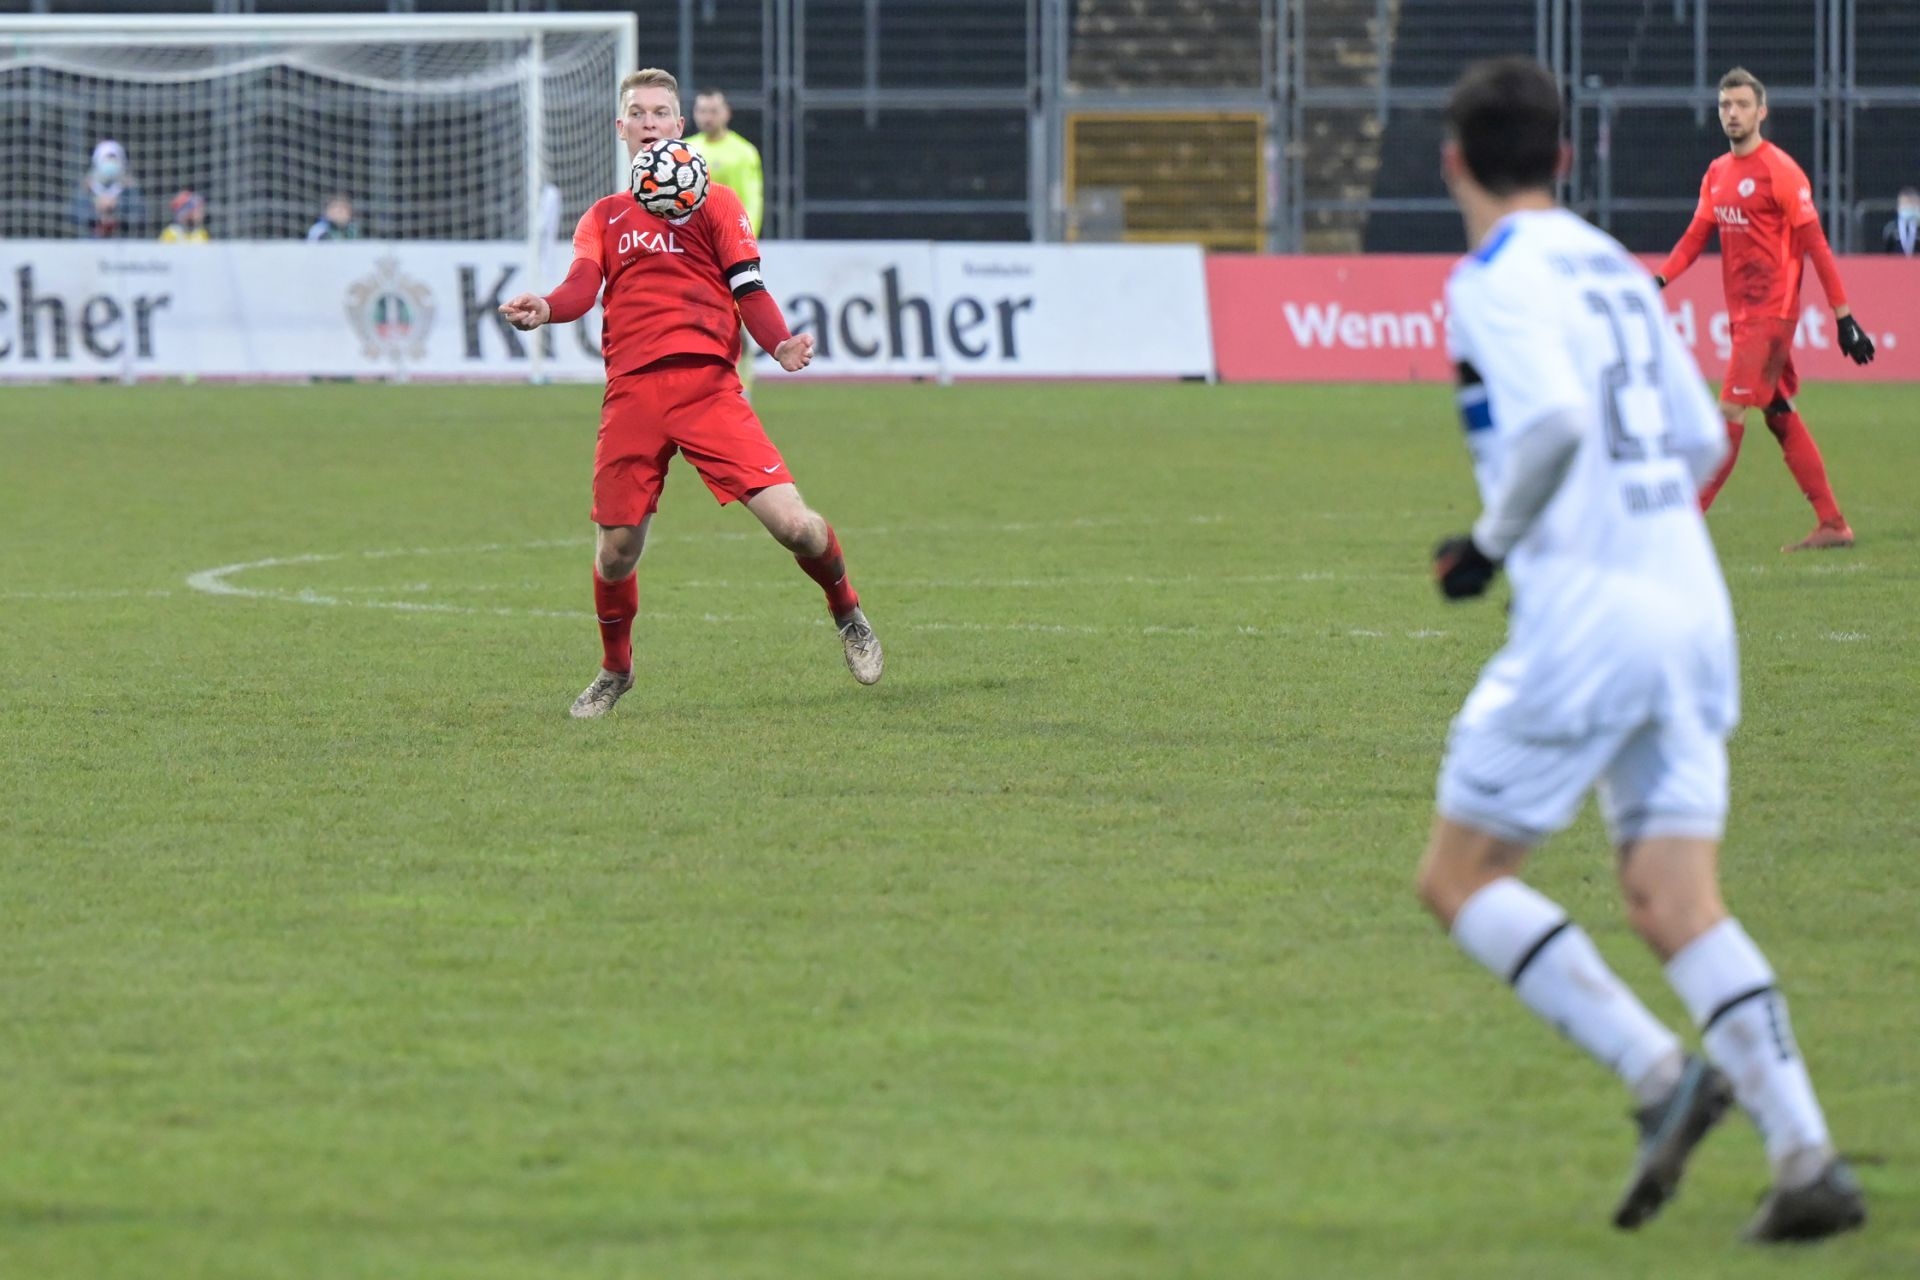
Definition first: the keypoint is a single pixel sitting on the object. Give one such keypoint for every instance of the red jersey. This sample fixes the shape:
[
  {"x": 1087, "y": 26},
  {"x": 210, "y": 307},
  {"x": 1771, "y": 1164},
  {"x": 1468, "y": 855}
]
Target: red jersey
[
  {"x": 666, "y": 289},
  {"x": 1757, "y": 201}
]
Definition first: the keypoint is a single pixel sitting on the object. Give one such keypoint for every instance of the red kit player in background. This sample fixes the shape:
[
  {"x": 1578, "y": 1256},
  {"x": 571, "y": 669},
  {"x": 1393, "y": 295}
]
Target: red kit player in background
[
  {"x": 675, "y": 295},
  {"x": 1762, "y": 205}
]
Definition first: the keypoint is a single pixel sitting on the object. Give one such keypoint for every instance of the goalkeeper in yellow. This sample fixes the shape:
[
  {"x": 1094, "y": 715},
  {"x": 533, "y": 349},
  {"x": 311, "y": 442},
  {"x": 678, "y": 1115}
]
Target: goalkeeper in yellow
[{"x": 733, "y": 162}]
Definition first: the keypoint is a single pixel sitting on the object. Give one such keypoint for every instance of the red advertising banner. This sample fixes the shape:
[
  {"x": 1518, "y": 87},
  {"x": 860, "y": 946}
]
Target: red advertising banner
[{"x": 1383, "y": 318}]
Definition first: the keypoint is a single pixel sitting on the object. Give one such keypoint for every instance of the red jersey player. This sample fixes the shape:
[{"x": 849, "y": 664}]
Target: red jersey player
[
  {"x": 1762, "y": 205},
  {"x": 675, "y": 295}
]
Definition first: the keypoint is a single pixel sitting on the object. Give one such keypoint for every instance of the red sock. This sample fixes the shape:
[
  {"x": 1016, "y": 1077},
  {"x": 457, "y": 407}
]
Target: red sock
[
  {"x": 829, "y": 569},
  {"x": 615, "y": 604},
  {"x": 1736, "y": 431},
  {"x": 1803, "y": 459}
]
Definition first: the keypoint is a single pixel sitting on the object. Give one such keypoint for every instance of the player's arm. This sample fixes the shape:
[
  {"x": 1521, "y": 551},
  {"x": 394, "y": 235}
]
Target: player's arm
[
  {"x": 735, "y": 246},
  {"x": 764, "y": 320},
  {"x": 1537, "y": 405},
  {"x": 1539, "y": 455},
  {"x": 576, "y": 294},
  {"x": 1811, "y": 242},
  {"x": 1693, "y": 242}
]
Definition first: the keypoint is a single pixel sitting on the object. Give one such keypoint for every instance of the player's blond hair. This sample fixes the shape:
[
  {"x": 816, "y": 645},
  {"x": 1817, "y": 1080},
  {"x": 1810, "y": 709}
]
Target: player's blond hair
[
  {"x": 1741, "y": 78},
  {"x": 651, "y": 78}
]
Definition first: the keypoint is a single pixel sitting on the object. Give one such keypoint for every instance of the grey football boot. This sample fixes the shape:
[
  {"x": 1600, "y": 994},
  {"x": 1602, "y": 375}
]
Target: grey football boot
[
  {"x": 598, "y": 698},
  {"x": 1830, "y": 1204},
  {"x": 1669, "y": 1131},
  {"x": 865, "y": 658}
]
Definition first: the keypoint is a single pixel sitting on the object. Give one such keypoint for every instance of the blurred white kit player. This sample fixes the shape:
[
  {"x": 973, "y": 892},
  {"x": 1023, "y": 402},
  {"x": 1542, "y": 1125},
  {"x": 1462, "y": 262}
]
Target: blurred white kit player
[
  {"x": 1621, "y": 653},
  {"x": 1591, "y": 434}
]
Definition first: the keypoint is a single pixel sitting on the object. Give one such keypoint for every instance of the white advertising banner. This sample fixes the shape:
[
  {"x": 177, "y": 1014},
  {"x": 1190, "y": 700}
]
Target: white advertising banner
[
  {"x": 78, "y": 309},
  {"x": 915, "y": 309}
]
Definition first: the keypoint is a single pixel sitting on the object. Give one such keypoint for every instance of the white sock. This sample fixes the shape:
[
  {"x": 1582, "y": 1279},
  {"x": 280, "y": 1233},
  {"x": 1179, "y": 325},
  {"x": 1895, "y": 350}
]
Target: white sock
[
  {"x": 1728, "y": 988},
  {"x": 1526, "y": 940}
]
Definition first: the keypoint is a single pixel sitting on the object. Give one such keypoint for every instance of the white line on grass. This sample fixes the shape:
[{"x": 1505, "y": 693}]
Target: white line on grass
[
  {"x": 220, "y": 581},
  {"x": 122, "y": 594}
]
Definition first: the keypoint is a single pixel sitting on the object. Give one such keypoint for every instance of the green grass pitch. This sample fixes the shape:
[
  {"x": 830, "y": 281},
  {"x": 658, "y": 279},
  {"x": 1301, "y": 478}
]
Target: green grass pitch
[{"x": 1082, "y": 946}]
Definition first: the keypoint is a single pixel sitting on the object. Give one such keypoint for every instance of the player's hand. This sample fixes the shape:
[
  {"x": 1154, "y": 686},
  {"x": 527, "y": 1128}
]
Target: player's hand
[
  {"x": 526, "y": 311},
  {"x": 796, "y": 353},
  {"x": 1660, "y": 281},
  {"x": 1854, "y": 341},
  {"x": 1461, "y": 569}
]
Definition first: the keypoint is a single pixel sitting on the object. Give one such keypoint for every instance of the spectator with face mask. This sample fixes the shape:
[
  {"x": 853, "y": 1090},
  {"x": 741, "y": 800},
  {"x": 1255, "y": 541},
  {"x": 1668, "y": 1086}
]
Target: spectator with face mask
[
  {"x": 108, "y": 202},
  {"x": 1902, "y": 235}
]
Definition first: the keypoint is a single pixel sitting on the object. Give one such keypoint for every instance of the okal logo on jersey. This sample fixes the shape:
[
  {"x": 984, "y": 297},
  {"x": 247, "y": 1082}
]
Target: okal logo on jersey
[
  {"x": 1732, "y": 215},
  {"x": 647, "y": 242},
  {"x": 391, "y": 312}
]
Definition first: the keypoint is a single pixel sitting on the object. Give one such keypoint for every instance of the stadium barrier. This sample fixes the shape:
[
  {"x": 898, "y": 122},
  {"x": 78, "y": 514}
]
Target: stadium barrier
[
  {"x": 1383, "y": 318},
  {"x": 78, "y": 309}
]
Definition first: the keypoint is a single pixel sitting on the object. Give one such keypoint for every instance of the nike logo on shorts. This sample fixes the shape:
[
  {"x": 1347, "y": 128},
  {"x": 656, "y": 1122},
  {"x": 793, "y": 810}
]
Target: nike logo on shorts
[
  {"x": 1741, "y": 391},
  {"x": 770, "y": 470}
]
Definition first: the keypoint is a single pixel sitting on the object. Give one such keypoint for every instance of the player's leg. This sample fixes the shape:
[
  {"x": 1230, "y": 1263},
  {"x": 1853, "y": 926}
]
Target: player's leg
[
  {"x": 1736, "y": 419},
  {"x": 1740, "y": 390},
  {"x": 1664, "y": 798},
  {"x": 1803, "y": 459},
  {"x": 616, "y": 602},
  {"x": 724, "y": 440},
  {"x": 816, "y": 549},
  {"x": 630, "y": 462},
  {"x": 1499, "y": 797}
]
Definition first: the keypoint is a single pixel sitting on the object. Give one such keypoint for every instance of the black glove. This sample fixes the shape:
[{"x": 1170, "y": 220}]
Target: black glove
[
  {"x": 1461, "y": 569},
  {"x": 1661, "y": 281},
  {"x": 1855, "y": 342}
]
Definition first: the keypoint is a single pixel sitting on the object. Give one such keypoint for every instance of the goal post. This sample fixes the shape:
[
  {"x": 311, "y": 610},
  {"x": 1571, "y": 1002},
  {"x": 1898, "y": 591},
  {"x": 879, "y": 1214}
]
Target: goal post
[{"x": 435, "y": 127}]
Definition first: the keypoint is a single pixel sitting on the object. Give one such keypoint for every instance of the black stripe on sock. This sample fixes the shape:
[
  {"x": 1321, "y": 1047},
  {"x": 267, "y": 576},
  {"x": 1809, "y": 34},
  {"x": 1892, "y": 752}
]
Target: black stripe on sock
[
  {"x": 1732, "y": 1004},
  {"x": 1533, "y": 951}
]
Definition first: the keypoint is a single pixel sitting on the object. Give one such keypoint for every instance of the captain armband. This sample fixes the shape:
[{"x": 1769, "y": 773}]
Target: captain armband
[{"x": 744, "y": 278}]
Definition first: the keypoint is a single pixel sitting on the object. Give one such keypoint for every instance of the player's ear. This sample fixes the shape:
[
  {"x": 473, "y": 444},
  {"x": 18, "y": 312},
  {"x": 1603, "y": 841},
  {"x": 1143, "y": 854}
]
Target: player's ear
[
  {"x": 1451, "y": 164},
  {"x": 1564, "y": 165}
]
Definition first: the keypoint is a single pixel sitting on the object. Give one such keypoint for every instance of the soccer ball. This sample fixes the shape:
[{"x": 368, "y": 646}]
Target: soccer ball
[{"x": 670, "y": 179}]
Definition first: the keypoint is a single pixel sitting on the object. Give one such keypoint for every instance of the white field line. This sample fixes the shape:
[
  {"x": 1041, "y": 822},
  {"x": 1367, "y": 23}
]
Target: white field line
[
  {"x": 102, "y": 594},
  {"x": 780, "y": 583},
  {"x": 220, "y": 581}
]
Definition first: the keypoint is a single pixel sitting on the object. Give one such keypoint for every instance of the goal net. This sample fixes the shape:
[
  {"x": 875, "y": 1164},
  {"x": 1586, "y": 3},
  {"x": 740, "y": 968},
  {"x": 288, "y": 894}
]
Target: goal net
[{"x": 465, "y": 127}]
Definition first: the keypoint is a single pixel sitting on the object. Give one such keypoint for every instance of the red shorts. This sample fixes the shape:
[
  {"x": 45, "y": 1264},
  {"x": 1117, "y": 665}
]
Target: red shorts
[
  {"x": 1761, "y": 367},
  {"x": 692, "y": 406}
]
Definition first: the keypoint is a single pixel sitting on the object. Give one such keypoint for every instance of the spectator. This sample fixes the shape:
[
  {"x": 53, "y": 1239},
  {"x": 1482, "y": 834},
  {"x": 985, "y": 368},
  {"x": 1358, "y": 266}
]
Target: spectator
[
  {"x": 731, "y": 159},
  {"x": 189, "y": 225},
  {"x": 108, "y": 202},
  {"x": 1902, "y": 235},
  {"x": 337, "y": 223}
]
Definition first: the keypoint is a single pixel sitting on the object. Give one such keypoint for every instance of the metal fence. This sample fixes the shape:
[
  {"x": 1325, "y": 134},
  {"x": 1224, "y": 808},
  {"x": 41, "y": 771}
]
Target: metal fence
[
  {"x": 1299, "y": 124},
  {"x": 1250, "y": 124}
]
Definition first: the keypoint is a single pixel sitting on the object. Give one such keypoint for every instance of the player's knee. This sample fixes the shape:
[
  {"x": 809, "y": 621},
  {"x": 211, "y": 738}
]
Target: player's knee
[
  {"x": 1666, "y": 921},
  {"x": 803, "y": 532},
  {"x": 616, "y": 557},
  {"x": 1440, "y": 888}
]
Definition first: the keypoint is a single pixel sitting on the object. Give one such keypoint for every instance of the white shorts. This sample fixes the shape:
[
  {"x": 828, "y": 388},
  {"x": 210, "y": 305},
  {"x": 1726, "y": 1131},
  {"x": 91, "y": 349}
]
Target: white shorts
[{"x": 1656, "y": 778}]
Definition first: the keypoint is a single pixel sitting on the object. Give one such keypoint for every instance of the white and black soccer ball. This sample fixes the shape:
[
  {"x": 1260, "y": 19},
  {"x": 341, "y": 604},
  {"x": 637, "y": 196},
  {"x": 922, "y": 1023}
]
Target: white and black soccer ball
[{"x": 670, "y": 179}]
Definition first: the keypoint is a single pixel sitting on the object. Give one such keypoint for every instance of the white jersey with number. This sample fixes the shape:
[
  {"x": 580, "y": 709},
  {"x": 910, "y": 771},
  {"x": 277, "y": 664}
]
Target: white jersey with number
[{"x": 1620, "y": 614}]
